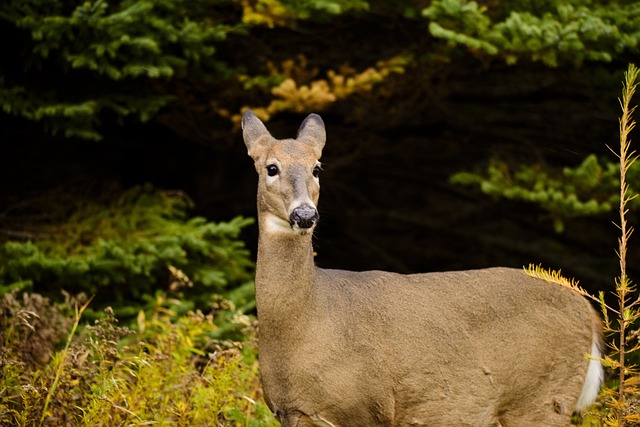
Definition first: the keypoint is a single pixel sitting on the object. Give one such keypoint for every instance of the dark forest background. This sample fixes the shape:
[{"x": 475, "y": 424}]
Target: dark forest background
[{"x": 461, "y": 134}]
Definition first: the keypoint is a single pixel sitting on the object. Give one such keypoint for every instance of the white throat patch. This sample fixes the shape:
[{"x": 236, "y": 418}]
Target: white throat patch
[{"x": 276, "y": 225}]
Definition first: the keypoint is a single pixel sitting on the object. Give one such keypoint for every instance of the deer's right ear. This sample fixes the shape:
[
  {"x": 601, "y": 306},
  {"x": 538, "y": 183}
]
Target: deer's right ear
[
  {"x": 253, "y": 132},
  {"x": 312, "y": 131}
]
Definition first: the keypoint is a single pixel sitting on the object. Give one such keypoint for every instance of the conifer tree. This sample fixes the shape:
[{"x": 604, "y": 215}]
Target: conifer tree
[{"x": 78, "y": 67}]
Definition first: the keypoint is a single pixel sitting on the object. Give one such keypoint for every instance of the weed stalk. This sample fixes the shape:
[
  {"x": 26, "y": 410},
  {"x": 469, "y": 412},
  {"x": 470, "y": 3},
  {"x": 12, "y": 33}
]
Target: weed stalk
[
  {"x": 54, "y": 384},
  {"x": 628, "y": 312}
]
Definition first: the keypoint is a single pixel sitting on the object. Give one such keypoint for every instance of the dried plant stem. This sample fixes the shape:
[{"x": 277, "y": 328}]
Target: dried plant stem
[
  {"x": 63, "y": 357},
  {"x": 624, "y": 288}
]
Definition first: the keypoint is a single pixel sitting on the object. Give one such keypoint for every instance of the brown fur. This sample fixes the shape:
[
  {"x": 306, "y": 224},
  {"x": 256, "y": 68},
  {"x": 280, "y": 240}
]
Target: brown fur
[{"x": 340, "y": 348}]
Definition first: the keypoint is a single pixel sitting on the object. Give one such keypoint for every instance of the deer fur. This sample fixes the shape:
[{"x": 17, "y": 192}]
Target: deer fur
[{"x": 490, "y": 347}]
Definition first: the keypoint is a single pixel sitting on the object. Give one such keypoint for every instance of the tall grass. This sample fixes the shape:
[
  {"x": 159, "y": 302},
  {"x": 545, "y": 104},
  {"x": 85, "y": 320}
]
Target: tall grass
[
  {"x": 177, "y": 371},
  {"x": 62, "y": 358}
]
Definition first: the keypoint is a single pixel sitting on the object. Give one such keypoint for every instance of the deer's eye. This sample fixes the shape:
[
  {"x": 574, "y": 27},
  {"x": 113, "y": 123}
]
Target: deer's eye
[
  {"x": 316, "y": 171},
  {"x": 272, "y": 170}
]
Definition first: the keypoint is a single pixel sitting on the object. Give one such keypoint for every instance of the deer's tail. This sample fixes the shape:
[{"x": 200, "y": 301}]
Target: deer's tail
[{"x": 595, "y": 373}]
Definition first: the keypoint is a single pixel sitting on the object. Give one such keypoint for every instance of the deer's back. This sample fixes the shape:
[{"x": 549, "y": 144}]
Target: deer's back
[{"x": 455, "y": 341}]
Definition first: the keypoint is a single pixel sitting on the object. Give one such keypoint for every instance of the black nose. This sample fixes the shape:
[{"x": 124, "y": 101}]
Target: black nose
[{"x": 304, "y": 216}]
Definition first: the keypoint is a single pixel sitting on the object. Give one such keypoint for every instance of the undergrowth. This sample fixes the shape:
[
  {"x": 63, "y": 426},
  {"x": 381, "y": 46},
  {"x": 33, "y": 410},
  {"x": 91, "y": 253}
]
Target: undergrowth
[
  {"x": 174, "y": 370},
  {"x": 122, "y": 246}
]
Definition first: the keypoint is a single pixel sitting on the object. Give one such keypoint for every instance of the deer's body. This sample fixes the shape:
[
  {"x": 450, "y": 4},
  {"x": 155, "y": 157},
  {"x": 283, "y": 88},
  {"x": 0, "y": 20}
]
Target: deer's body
[{"x": 340, "y": 348}]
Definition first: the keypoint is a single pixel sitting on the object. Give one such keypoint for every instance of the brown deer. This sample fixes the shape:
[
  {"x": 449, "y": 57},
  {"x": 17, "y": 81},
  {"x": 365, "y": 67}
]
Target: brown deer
[{"x": 490, "y": 347}]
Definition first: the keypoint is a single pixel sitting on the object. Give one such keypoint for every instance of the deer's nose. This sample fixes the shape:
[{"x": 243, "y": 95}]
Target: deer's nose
[{"x": 304, "y": 216}]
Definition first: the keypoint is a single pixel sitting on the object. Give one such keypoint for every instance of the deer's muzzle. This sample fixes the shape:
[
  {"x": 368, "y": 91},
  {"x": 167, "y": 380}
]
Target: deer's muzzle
[{"x": 304, "y": 217}]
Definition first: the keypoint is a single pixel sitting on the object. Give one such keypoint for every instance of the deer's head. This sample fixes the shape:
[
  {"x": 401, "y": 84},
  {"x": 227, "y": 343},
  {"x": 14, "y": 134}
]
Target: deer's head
[{"x": 288, "y": 169}]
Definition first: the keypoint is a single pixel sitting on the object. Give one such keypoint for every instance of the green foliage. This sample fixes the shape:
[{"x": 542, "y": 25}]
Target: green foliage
[
  {"x": 585, "y": 190},
  {"x": 126, "y": 249},
  {"x": 305, "y": 8},
  {"x": 466, "y": 21},
  {"x": 174, "y": 372},
  {"x": 290, "y": 13},
  {"x": 555, "y": 33},
  {"x": 122, "y": 46},
  {"x": 80, "y": 66},
  {"x": 130, "y": 38}
]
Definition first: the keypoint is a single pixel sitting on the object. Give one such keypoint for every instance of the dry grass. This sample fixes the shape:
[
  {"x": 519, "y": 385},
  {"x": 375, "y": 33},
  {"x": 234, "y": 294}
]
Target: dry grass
[{"x": 176, "y": 372}]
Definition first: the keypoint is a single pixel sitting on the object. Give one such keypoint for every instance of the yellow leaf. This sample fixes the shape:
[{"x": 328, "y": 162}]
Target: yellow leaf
[{"x": 141, "y": 321}]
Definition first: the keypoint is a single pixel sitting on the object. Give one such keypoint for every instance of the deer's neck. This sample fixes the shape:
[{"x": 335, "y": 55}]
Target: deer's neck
[{"x": 285, "y": 277}]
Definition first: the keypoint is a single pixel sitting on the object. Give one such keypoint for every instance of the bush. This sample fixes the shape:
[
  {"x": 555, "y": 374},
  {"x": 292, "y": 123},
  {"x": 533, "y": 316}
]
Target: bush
[{"x": 129, "y": 247}]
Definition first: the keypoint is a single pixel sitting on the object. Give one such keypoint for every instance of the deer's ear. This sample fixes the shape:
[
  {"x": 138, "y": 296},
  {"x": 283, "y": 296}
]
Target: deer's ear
[
  {"x": 253, "y": 132},
  {"x": 312, "y": 131}
]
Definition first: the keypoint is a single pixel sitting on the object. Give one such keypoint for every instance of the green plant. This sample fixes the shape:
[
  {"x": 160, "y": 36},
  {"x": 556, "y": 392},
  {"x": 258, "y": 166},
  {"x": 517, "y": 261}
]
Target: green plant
[
  {"x": 556, "y": 33},
  {"x": 128, "y": 247},
  {"x": 124, "y": 45},
  {"x": 82, "y": 67}
]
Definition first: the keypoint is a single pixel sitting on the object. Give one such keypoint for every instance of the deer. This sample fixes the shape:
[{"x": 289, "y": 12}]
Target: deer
[{"x": 485, "y": 347}]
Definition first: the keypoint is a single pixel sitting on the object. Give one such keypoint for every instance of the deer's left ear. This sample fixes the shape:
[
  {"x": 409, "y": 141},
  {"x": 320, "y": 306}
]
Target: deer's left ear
[
  {"x": 312, "y": 131},
  {"x": 254, "y": 133}
]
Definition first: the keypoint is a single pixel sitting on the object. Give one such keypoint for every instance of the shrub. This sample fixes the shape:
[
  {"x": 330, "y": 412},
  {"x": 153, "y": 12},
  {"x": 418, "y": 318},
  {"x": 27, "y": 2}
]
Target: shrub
[{"x": 126, "y": 247}]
